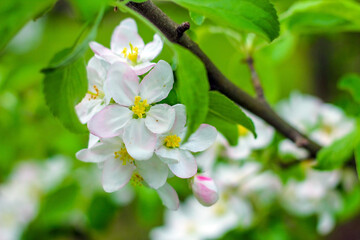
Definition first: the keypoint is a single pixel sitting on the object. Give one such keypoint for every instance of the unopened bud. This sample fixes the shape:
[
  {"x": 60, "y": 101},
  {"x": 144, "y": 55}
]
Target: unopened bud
[{"x": 204, "y": 190}]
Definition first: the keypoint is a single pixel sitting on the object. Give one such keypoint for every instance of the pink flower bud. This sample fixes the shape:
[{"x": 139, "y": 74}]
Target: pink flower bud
[{"x": 204, "y": 190}]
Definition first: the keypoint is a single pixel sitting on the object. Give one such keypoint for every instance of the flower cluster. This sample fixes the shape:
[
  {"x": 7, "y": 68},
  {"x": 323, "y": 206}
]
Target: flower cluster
[{"x": 134, "y": 137}]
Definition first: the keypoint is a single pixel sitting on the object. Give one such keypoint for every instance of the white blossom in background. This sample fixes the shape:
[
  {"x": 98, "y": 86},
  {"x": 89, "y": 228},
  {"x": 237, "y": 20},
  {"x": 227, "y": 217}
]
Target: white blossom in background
[
  {"x": 20, "y": 195},
  {"x": 247, "y": 142},
  {"x": 316, "y": 194},
  {"x": 127, "y": 46},
  {"x": 97, "y": 96},
  {"x": 324, "y": 123},
  {"x": 136, "y": 112}
]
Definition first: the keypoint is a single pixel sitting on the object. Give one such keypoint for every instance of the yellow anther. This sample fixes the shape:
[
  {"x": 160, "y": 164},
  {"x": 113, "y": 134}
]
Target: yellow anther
[
  {"x": 133, "y": 55},
  {"x": 124, "y": 51},
  {"x": 140, "y": 107},
  {"x": 136, "y": 179},
  {"x": 97, "y": 93},
  {"x": 124, "y": 156},
  {"x": 242, "y": 131},
  {"x": 172, "y": 141}
]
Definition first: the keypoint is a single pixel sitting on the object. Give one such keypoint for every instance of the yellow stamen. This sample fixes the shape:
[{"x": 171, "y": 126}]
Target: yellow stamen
[
  {"x": 172, "y": 141},
  {"x": 242, "y": 131},
  {"x": 97, "y": 93},
  {"x": 133, "y": 55},
  {"x": 136, "y": 179},
  {"x": 124, "y": 156},
  {"x": 140, "y": 107}
]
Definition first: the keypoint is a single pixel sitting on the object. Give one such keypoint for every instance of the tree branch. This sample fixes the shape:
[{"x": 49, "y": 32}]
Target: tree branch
[{"x": 217, "y": 80}]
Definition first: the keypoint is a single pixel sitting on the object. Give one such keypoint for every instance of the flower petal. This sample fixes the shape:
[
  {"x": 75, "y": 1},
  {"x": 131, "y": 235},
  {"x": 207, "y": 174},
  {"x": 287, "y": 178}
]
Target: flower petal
[
  {"x": 152, "y": 49},
  {"x": 180, "y": 119},
  {"x": 160, "y": 118},
  {"x": 88, "y": 107},
  {"x": 157, "y": 84},
  {"x": 104, "y": 53},
  {"x": 98, "y": 69},
  {"x": 153, "y": 171},
  {"x": 139, "y": 141},
  {"x": 110, "y": 121},
  {"x": 124, "y": 34},
  {"x": 143, "y": 68},
  {"x": 168, "y": 155},
  {"x": 116, "y": 175},
  {"x": 202, "y": 139},
  {"x": 99, "y": 152},
  {"x": 186, "y": 167},
  {"x": 92, "y": 140},
  {"x": 168, "y": 197},
  {"x": 204, "y": 190},
  {"x": 122, "y": 84}
]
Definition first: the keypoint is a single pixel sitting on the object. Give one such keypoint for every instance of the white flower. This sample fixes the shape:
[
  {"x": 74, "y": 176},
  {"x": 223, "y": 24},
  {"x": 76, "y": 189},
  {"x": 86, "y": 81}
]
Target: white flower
[
  {"x": 127, "y": 46},
  {"x": 194, "y": 222},
  {"x": 315, "y": 195},
  {"x": 135, "y": 113},
  {"x": 333, "y": 125},
  {"x": 119, "y": 167},
  {"x": 247, "y": 142},
  {"x": 204, "y": 190},
  {"x": 177, "y": 154},
  {"x": 97, "y": 96}
]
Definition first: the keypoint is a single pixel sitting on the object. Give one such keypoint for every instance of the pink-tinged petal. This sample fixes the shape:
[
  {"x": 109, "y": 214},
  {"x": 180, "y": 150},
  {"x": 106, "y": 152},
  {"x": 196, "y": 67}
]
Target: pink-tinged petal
[
  {"x": 116, "y": 175},
  {"x": 152, "y": 49},
  {"x": 88, "y": 107},
  {"x": 205, "y": 190},
  {"x": 123, "y": 35},
  {"x": 168, "y": 155},
  {"x": 180, "y": 119},
  {"x": 139, "y": 141},
  {"x": 110, "y": 121},
  {"x": 122, "y": 84},
  {"x": 186, "y": 167},
  {"x": 160, "y": 118},
  {"x": 202, "y": 139},
  {"x": 99, "y": 152},
  {"x": 168, "y": 197},
  {"x": 92, "y": 140},
  {"x": 157, "y": 84},
  {"x": 153, "y": 171},
  {"x": 143, "y": 68},
  {"x": 104, "y": 53},
  {"x": 97, "y": 70}
]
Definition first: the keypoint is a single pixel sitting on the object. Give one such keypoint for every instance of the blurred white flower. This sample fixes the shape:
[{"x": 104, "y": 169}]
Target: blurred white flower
[
  {"x": 316, "y": 194},
  {"x": 247, "y": 142}
]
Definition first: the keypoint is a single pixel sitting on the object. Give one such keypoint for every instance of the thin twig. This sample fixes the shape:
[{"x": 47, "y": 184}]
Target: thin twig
[
  {"x": 255, "y": 79},
  {"x": 217, "y": 80},
  {"x": 182, "y": 28}
]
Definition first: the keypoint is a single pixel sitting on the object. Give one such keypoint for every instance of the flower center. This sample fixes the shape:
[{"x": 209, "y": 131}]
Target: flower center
[
  {"x": 136, "y": 179},
  {"x": 132, "y": 55},
  {"x": 327, "y": 129},
  {"x": 124, "y": 156},
  {"x": 172, "y": 141},
  {"x": 140, "y": 107},
  {"x": 242, "y": 131},
  {"x": 96, "y": 94}
]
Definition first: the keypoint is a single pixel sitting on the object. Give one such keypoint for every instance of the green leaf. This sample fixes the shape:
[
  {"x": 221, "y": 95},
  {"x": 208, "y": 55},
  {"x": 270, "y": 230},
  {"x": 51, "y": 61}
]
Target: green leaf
[
  {"x": 323, "y": 16},
  {"x": 229, "y": 130},
  {"x": 16, "y": 13},
  {"x": 101, "y": 211},
  {"x": 357, "y": 159},
  {"x": 193, "y": 87},
  {"x": 65, "y": 81},
  {"x": 340, "y": 151},
  {"x": 226, "y": 109},
  {"x": 257, "y": 16},
  {"x": 351, "y": 83},
  {"x": 197, "y": 18}
]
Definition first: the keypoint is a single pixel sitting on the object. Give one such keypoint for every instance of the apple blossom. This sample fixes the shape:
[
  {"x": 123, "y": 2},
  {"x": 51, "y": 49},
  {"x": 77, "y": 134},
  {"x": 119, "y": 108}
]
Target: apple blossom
[
  {"x": 204, "y": 190},
  {"x": 119, "y": 167},
  {"x": 136, "y": 112},
  {"x": 171, "y": 149},
  {"x": 97, "y": 96},
  {"x": 127, "y": 46}
]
